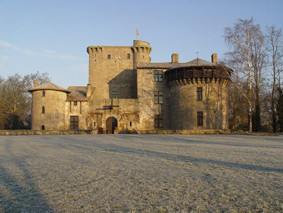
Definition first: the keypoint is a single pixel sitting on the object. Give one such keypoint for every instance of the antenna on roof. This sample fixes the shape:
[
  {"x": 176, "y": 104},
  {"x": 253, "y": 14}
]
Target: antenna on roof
[{"x": 197, "y": 57}]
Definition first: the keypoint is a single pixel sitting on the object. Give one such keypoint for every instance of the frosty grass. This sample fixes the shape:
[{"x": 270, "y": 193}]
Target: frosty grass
[{"x": 141, "y": 173}]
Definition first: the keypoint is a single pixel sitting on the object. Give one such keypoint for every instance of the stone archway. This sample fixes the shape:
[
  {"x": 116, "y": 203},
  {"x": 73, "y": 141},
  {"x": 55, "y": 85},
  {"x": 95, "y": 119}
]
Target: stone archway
[{"x": 111, "y": 124}]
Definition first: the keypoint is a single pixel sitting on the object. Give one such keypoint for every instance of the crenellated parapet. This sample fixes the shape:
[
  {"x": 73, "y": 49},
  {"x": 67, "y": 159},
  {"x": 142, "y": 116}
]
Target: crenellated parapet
[
  {"x": 94, "y": 49},
  {"x": 141, "y": 49}
]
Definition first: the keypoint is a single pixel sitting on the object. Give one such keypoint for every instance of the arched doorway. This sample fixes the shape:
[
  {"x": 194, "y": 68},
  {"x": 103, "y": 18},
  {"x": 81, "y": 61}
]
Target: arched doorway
[{"x": 111, "y": 124}]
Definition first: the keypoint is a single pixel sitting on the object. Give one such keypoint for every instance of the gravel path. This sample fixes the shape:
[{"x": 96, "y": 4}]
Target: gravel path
[{"x": 141, "y": 173}]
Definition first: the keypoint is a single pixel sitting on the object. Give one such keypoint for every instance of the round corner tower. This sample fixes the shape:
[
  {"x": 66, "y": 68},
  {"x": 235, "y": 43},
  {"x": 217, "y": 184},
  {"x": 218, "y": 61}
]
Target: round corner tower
[
  {"x": 198, "y": 96},
  {"x": 48, "y": 106},
  {"x": 141, "y": 51}
]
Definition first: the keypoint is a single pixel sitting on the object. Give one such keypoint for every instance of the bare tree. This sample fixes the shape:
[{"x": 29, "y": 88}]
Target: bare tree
[
  {"x": 15, "y": 101},
  {"x": 275, "y": 42},
  {"x": 247, "y": 58}
]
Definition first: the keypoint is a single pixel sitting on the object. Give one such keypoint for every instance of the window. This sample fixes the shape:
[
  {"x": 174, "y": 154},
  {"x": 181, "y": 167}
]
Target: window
[
  {"x": 158, "y": 75},
  {"x": 128, "y": 56},
  {"x": 42, "y": 127},
  {"x": 43, "y": 93},
  {"x": 130, "y": 123},
  {"x": 199, "y": 93},
  {"x": 74, "y": 122},
  {"x": 158, "y": 97},
  {"x": 200, "y": 118},
  {"x": 75, "y": 103},
  {"x": 43, "y": 109},
  {"x": 109, "y": 56},
  {"x": 158, "y": 121},
  {"x": 115, "y": 94}
]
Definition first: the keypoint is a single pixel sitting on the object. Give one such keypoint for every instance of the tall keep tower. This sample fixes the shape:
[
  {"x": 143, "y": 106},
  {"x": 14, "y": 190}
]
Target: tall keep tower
[{"x": 112, "y": 69}]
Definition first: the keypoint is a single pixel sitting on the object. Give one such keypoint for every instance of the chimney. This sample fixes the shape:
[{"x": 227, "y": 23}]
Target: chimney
[
  {"x": 35, "y": 83},
  {"x": 174, "y": 58},
  {"x": 88, "y": 90},
  {"x": 214, "y": 58}
]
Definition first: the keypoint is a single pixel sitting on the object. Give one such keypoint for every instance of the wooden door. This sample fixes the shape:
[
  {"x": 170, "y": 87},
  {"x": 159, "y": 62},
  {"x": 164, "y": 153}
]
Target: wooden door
[
  {"x": 74, "y": 122},
  {"x": 111, "y": 124}
]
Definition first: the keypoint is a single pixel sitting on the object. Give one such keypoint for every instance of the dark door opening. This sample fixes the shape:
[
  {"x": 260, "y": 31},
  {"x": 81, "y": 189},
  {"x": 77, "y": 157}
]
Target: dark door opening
[{"x": 111, "y": 124}]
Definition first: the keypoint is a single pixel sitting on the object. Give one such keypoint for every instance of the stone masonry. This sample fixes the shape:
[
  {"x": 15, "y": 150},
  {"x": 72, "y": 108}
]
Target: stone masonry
[{"x": 126, "y": 91}]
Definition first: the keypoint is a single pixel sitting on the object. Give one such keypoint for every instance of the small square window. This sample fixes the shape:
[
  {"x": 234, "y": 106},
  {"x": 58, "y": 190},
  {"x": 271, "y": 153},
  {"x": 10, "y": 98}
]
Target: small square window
[
  {"x": 109, "y": 56},
  {"x": 158, "y": 75},
  {"x": 115, "y": 94}
]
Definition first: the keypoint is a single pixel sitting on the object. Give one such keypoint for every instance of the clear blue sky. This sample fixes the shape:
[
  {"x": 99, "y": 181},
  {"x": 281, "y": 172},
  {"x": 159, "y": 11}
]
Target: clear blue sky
[{"x": 52, "y": 35}]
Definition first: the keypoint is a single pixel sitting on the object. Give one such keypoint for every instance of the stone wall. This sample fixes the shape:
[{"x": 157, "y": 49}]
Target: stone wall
[
  {"x": 112, "y": 74},
  {"x": 127, "y": 113},
  {"x": 80, "y": 110},
  {"x": 54, "y": 106},
  {"x": 147, "y": 108},
  {"x": 183, "y": 104}
]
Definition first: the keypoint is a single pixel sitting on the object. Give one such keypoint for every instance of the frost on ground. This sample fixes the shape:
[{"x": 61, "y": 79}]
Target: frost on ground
[{"x": 141, "y": 173}]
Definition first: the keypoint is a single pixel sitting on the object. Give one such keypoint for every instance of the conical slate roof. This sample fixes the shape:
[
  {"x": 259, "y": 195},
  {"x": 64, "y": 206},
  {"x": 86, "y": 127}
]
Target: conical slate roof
[{"x": 48, "y": 86}]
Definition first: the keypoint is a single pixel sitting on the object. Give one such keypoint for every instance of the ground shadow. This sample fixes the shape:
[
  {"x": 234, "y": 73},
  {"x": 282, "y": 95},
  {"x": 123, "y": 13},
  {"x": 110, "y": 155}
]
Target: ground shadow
[
  {"x": 21, "y": 199},
  {"x": 124, "y": 85},
  {"x": 173, "y": 157}
]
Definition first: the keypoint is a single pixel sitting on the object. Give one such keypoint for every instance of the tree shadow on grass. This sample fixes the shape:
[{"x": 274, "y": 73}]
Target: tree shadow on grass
[
  {"x": 169, "y": 156},
  {"x": 21, "y": 198}
]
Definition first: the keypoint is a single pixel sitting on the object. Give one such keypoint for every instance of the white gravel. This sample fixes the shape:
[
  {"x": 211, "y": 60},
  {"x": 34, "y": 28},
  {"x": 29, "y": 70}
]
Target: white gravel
[{"x": 141, "y": 173}]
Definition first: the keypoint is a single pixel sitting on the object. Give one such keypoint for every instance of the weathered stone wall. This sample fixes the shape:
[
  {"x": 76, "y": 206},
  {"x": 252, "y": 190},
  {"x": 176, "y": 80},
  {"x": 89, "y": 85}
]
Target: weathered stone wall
[
  {"x": 112, "y": 74},
  {"x": 127, "y": 113},
  {"x": 54, "y": 103},
  {"x": 80, "y": 110},
  {"x": 183, "y": 104},
  {"x": 147, "y": 107}
]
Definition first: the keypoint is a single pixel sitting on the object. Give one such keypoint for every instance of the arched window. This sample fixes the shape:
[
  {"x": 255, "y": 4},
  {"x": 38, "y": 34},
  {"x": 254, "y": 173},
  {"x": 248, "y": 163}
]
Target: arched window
[
  {"x": 43, "y": 109},
  {"x": 42, "y": 127}
]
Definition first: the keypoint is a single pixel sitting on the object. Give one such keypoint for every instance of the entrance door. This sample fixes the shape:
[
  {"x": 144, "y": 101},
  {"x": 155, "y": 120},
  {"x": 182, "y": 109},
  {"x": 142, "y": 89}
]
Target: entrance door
[
  {"x": 74, "y": 122},
  {"x": 111, "y": 124}
]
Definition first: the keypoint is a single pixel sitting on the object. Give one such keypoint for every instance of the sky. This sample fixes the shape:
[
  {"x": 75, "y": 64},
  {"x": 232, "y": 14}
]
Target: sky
[{"x": 52, "y": 35}]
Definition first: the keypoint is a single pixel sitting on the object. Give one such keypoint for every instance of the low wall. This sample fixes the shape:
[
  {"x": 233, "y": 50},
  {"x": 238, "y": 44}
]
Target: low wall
[
  {"x": 73, "y": 132},
  {"x": 186, "y": 132},
  {"x": 44, "y": 132}
]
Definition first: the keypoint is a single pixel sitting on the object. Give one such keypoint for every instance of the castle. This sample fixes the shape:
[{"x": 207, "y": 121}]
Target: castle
[{"x": 125, "y": 91}]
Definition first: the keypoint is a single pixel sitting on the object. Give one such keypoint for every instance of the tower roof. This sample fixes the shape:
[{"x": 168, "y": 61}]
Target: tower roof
[
  {"x": 201, "y": 62},
  {"x": 48, "y": 86}
]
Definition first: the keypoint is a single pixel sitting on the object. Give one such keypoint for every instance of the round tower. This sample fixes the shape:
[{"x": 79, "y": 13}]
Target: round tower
[
  {"x": 141, "y": 51},
  {"x": 198, "y": 96},
  {"x": 48, "y": 106}
]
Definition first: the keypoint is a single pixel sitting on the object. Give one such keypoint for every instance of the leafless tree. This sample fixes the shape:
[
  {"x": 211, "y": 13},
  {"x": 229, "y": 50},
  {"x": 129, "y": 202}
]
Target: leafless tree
[
  {"x": 15, "y": 101},
  {"x": 275, "y": 50},
  {"x": 247, "y": 57}
]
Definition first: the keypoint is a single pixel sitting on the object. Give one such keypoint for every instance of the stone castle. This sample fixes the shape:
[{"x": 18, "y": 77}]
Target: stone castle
[{"x": 125, "y": 91}]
